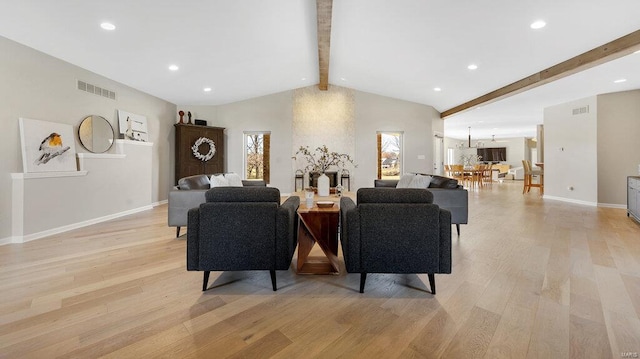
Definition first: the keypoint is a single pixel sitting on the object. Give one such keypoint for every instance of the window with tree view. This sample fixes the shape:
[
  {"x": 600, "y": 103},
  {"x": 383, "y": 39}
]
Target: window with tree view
[
  {"x": 256, "y": 155},
  {"x": 389, "y": 155}
]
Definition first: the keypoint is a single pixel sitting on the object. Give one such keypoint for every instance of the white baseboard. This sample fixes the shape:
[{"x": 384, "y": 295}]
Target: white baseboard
[
  {"x": 53, "y": 231},
  {"x": 7, "y": 240},
  {"x": 569, "y": 200},
  {"x": 612, "y": 205},
  {"x": 160, "y": 203}
]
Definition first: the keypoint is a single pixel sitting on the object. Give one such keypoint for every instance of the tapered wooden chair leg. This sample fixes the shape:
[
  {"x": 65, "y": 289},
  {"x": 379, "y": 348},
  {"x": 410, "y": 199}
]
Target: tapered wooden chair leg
[
  {"x": 205, "y": 281},
  {"x": 432, "y": 283},
  {"x": 458, "y": 228},
  {"x": 273, "y": 279},
  {"x": 363, "y": 278}
]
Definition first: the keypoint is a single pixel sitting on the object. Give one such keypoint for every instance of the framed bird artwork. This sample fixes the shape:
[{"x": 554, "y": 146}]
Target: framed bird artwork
[{"x": 47, "y": 146}]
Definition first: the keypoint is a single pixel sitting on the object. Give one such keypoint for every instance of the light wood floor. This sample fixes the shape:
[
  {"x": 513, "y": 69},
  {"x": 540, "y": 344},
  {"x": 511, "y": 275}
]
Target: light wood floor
[{"x": 531, "y": 278}]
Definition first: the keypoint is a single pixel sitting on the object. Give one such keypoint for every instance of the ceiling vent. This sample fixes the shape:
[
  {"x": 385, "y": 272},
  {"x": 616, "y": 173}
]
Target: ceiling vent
[
  {"x": 96, "y": 90},
  {"x": 581, "y": 110}
]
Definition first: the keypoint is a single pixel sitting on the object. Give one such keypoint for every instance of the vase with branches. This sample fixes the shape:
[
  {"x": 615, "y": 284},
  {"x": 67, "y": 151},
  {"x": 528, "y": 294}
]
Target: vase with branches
[
  {"x": 470, "y": 160},
  {"x": 321, "y": 159}
]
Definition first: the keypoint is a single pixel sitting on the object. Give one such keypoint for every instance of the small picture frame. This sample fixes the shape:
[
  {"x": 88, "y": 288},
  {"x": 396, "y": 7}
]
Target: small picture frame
[{"x": 132, "y": 126}]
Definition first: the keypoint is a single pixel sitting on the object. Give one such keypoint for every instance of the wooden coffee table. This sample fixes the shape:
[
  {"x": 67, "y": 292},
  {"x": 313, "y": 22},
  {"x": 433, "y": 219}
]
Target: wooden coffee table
[{"x": 318, "y": 225}]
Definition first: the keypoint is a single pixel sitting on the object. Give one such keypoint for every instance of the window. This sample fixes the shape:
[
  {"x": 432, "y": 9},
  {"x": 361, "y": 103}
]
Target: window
[
  {"x": 256, "y": 155},
  {"x": 450, "y": 154},
  {"x": 389, "y": 155}
]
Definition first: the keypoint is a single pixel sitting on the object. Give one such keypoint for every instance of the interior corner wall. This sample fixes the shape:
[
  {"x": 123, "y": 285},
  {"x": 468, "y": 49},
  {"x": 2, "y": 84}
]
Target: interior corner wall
[
  {"x": 571, "y": 152},
  {"x": 375, "y": 113},
  {"x": 37, "y": 86},
  {"x": 618, "y": 144}
]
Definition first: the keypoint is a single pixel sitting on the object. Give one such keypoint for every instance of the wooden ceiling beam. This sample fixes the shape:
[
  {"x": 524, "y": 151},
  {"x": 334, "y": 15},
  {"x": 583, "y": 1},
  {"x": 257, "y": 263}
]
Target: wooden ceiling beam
[
  {"x": 620, "y": 47},
  {"x": 324, "y": 9}
]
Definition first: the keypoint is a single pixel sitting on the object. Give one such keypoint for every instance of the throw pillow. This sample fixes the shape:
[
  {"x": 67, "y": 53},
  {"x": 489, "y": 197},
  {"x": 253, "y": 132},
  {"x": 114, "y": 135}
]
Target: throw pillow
[
  {"x": 219, "y": 181},
  {"x": 233, "y": 179},
  {"x": 420, "y": 181},
  {"x": 405, "y": 180}
]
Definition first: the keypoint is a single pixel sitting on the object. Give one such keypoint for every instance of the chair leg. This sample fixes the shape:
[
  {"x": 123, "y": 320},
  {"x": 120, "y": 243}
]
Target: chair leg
[
  {"x": 205, "y": 281},
  {"x": 458, "y": 228},
  {"x": 177, "y": 231},
  {"x": 273, "y": 279},
  {"x": 432, "y": 283},
  {"x": 363, "y": 278}
]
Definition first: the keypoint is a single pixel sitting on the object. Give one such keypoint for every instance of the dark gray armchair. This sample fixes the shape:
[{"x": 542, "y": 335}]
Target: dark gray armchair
[
  {"x": 242, "y": 228},
  {"x": 395, "y": 231}
]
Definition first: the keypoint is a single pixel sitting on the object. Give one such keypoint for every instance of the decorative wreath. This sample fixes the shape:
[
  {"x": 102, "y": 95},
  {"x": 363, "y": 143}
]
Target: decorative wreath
[{"x": 196, "y": 149}]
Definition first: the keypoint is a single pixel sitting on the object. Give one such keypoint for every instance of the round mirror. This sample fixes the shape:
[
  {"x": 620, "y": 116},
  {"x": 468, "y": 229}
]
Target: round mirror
[{"x": 96, "y": 134}]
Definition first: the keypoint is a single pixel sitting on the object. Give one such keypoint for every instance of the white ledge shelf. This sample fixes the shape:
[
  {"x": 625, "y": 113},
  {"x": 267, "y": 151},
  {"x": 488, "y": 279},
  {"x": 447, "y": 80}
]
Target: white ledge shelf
[
  {"x": 131, "y": 142},
  {"x": 48, "y": 174},
  {"x": 100, "y": 155}
]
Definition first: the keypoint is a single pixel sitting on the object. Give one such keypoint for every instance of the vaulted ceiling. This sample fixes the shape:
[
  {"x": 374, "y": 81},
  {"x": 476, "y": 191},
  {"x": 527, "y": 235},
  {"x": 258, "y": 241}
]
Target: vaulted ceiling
[{"x": 400, "y": 49}]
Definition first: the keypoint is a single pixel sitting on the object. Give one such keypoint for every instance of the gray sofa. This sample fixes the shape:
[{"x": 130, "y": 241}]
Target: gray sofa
[
  {"x": 190, "y": 193},
  {"x": 395, "y": 231},
  {"x": 447, "y": 194}
]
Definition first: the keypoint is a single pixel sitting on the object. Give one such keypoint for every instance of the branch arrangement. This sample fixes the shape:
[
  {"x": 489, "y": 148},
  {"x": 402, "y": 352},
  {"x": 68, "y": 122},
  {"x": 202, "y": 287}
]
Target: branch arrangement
[{"x": 320, "y": 160}]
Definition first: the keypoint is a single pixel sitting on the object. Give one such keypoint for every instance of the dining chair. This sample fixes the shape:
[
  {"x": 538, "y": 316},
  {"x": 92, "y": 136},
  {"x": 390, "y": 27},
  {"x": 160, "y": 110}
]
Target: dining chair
[
  {"x": 447, "y": 170},
  {"x": 529, "y": 173},
  {"x": 487, "y": 175},
  {"x": 476, "y": 175},
  {"x": 457, "y": 172}
]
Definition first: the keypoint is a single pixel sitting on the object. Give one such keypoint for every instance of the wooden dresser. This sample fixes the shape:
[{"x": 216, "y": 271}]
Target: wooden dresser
[{"x": 186, "y": 162}]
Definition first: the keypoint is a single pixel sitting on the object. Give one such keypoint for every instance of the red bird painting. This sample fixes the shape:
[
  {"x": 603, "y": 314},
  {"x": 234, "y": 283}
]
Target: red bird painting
[{"x": 51, "y": 147}]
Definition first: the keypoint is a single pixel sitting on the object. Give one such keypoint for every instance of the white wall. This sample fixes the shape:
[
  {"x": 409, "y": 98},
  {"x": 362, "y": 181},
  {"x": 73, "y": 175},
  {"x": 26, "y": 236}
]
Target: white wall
[
  {"x": 378, "y": 113},
  {"x": 517, "y": 149},
  {"x": 277, "y": 113},
  {"x": 618, "y": 145},
  {"x": 571, "y": 152},
  {"x": 105, "y": 191},
  {"x": 38, "y": 86},
  {"x": 267, "y": 113}
]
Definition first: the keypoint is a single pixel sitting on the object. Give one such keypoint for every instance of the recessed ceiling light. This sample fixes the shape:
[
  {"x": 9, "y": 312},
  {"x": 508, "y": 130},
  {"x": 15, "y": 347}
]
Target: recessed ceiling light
[
  {"x": 539, "y": 24},
  {"x": 173, "y": 67},
  {"x": 620, "y": 81},
  {"x": 108, "y": 26},
  {"x": 207, "y": 89},
  {"x": 472, "y": 67},
  {"x": 304, "y": 79},
  {"x": 343, "y": 79},
  {"x": 437, "y": 89}
]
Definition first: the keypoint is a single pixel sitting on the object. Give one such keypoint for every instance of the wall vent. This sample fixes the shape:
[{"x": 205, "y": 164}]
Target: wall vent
[
  {"x": 96, "y": 90},
  {"x": 581, "y": 110}
]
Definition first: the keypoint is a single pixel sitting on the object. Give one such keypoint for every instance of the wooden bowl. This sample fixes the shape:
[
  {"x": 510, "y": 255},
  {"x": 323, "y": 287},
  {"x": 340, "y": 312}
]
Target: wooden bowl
[{"x": 324, "y": 204}]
